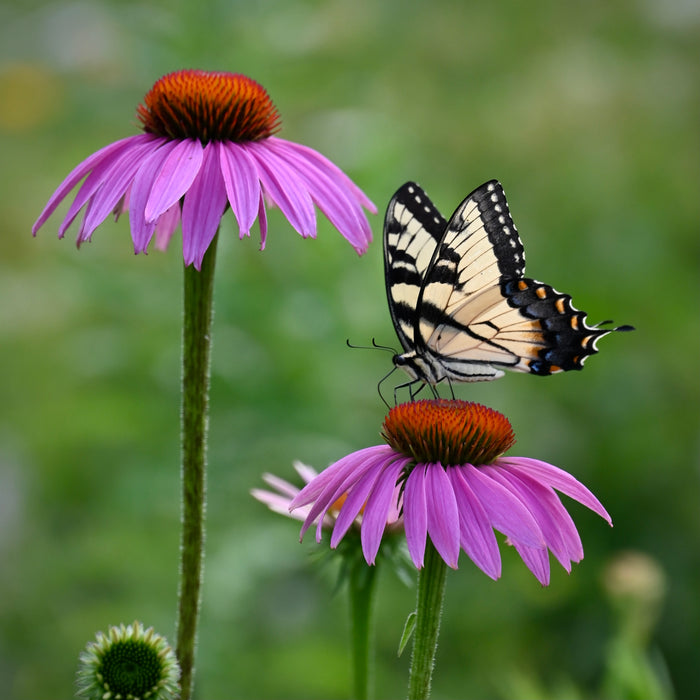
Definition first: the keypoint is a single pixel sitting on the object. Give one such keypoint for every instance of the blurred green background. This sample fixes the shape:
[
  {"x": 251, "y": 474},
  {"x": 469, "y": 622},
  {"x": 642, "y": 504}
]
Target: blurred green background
[{"x": 589, "y": 117}]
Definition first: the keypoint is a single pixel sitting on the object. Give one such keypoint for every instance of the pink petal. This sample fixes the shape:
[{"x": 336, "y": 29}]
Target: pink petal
[
  {"x": 282, "y": 486},
  {"x": 142, "y": 230},
  {"x": 82, "y": 169},
  {"x": 333, "y": 482},
  {"x": 166, "y": 225},
  {"x": 443, "y": 515},
  {"x": 356, "y": 498},
  {"x": 94, "y": 181},
  {"x": 477, "y": 537},
  {"x": 337, "y": 471},
  {"x": 115, "y": 181},
  {"x": 537, "y": 560},
  {"x": 557, "y": 479},
  {"x": 558, "y": 529},
  {"x": 242, "y": 185},
  {"x": 331, "y": 190},
  {"x": 285, "y": 188},
  {"x": 174, "y": 178},
  {"x": 310, "y": 155},
  {"x": 379, "y": 506},
  {"x": 415, "y": 514},
  {"x": 262, "y": 221},
  {"x": 306, "y": 472},
  {"x": 203, "y": 208},
  {"x": 506, "y": 513}
]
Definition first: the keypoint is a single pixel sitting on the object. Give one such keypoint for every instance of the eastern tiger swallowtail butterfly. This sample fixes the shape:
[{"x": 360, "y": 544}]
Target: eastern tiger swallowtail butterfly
[{"x": 460, "y": 304}]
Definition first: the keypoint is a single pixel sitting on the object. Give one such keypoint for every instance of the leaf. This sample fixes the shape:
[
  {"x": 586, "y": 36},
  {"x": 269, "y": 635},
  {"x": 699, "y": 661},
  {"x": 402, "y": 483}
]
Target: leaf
[{"x": 407, "y": 633}]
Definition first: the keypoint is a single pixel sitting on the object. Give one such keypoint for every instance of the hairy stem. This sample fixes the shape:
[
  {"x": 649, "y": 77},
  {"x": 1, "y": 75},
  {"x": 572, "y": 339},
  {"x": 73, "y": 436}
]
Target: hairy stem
[
  {"x": 431, "y": 592},
  {"x": 196, "y": 351}
]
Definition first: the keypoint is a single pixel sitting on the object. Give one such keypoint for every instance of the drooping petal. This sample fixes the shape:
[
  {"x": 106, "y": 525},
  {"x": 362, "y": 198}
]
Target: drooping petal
[
  {"x": 327, "y": 166},
  {"x": 557, "y": 479},
  {"x": 332, "y": 191},
  {"x": 356, "y": 498},
  {"x": 443, "y": 515},
  {"x": 262, "y": 221},
  {"x": 476, "y": 533},
  {"x": 415, "y": 514},
  {"x": 166, "y": 225},
  {"x": 114, "y": 182},
  {"x": 81, "y": 170},
  {"x": 379, "y": 508},
  {"x": 203, "y": 207},
  {"x": 285, "y": 188},
  {"x": 336, "y": 480},
  {"x": 506, "y": 513},
  {"x": 142, "y": 230},
  {"x": 337, "y": 471},
  {"x": 559, "y": 532},
  {"x": 174, "y": 178},
  {"x": 242, "y": 185},
  {"x": 94, "y": 181},
  {"x": 536, "y": 559}
]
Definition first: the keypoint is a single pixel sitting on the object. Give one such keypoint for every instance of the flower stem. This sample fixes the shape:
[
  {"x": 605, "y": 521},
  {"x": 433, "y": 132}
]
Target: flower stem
[
  {"x": 361, "y": 589},
  {"x": 431, "y": 592},
  {"x": 196, "y": 346}
]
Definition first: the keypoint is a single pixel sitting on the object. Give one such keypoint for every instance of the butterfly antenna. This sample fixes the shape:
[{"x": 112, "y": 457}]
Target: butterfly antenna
[{"x": 374, "y": 346}]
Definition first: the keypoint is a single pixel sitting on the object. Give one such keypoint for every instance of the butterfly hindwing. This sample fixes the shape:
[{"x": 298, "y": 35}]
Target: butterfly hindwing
[{"x": 458, "y": 298}]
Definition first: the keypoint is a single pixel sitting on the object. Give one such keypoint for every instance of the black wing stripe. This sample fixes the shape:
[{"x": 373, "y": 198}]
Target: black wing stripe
[{"x": 412, "y": 229}]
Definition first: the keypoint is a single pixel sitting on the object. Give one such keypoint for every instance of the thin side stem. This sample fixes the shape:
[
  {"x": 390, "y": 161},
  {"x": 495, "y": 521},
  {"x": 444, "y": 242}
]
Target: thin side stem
[
  {"x": 431, "y": 592},
  {"x": 196, "y": 351},
  {"x": 361, "y": 590}
]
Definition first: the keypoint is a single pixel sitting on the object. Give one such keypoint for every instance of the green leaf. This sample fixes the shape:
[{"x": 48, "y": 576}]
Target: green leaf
[{"x": 407, "y": 631}]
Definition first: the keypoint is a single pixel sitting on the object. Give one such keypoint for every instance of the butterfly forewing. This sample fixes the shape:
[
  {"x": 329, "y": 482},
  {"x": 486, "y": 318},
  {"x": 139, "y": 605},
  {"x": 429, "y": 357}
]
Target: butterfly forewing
[
  {"x": 413, "y": 228},
  {"x": 461, "y": 299}
]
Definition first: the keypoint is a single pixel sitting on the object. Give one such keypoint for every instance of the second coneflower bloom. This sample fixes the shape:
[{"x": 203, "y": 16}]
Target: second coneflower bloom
[
  {"x": 455, "y": 488},
  {"x": 209, "y": 143}
]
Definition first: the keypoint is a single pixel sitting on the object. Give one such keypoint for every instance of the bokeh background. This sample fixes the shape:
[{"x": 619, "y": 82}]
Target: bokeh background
[{"x": 588, "y": 114}]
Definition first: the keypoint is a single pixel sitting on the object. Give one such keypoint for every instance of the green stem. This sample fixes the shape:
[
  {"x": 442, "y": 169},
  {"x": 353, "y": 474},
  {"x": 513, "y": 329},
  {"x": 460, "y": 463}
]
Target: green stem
[
  {"x": 431, "y": 591},
  {"x": 196, "y": 346},
  {"x": 361, "y": 589}
]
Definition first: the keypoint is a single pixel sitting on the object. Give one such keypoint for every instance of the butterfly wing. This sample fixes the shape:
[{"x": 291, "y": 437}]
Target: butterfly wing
[
  {"x": 476, "y": 312},
  {"x": 413, "y": 227}
]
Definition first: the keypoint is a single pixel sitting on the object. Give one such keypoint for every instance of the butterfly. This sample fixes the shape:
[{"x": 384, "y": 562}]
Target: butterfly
[{"x": 459, "y": 300}]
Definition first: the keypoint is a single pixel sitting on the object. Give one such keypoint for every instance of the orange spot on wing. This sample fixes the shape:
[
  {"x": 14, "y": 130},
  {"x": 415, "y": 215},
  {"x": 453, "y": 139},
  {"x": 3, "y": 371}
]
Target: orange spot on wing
[
  {"x": 522, "y": 285},
  {"x": 541, "y": 292},
  {"x": 560, "y": 305}
]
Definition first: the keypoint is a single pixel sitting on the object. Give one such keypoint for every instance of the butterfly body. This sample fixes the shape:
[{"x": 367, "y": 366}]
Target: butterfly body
[{"x": 458, "y": 298}]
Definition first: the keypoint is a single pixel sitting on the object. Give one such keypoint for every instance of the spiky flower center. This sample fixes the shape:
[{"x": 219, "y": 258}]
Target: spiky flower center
[
  {"x": 209, "y": 106},
  {"x": 448, "y": 432},
  {"x": 131, "y": 668}
]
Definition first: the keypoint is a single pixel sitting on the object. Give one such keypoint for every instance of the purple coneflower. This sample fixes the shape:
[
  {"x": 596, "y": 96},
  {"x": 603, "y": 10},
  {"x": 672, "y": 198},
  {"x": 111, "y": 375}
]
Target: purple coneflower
[
  {"x": 455, "y": 487},
  {"x": 209, "y": 142}
]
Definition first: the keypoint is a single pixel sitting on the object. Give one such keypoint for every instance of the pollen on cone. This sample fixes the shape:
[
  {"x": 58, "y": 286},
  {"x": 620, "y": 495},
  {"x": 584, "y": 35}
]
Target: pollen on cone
[
  {"x": 449, "y": 432},
  {"x": 208, "y": 106}
]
